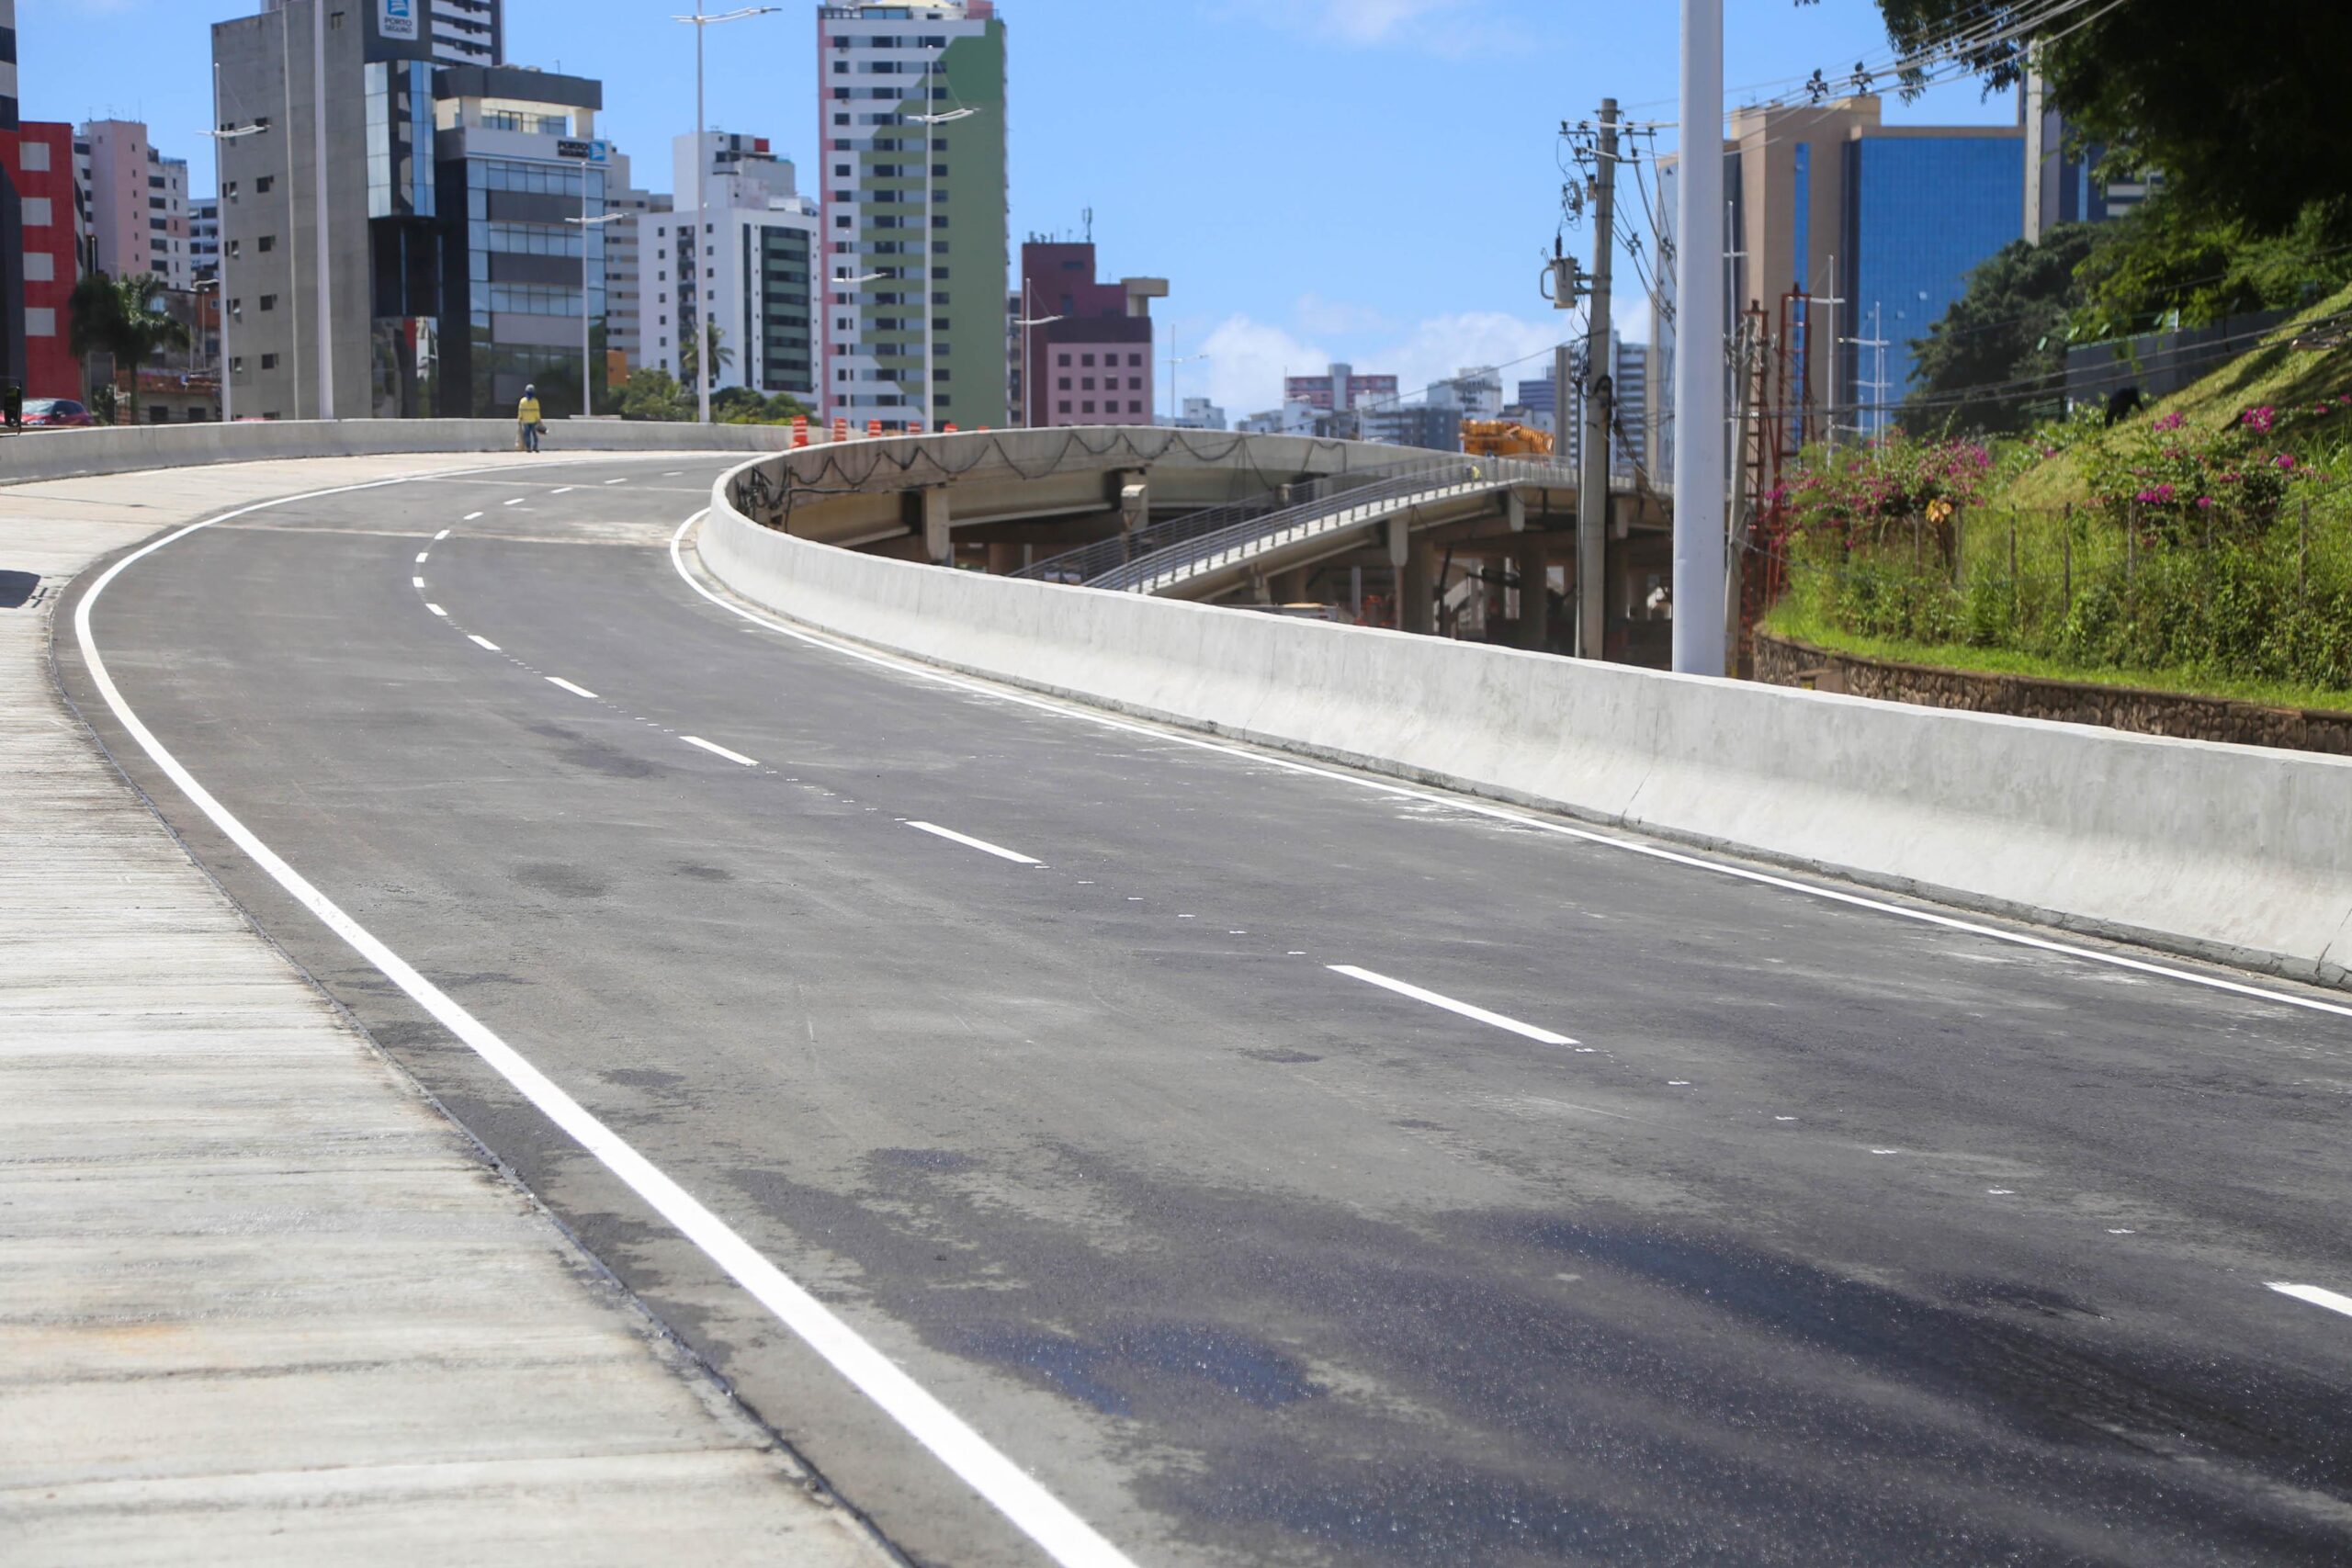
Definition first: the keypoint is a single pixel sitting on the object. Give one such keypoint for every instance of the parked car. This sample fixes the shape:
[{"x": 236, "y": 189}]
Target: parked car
[{"x": 55, "y": 414}]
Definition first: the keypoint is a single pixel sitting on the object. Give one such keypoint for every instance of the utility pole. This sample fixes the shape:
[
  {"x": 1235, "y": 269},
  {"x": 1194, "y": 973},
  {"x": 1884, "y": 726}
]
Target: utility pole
[
  {"x": 319, "y": 153},
  {"x": 1600, "y": 400},
  {"x": 1700, "y": 541}
]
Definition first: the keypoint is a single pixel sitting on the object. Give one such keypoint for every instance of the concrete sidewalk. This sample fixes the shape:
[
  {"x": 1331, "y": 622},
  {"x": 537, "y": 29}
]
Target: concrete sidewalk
[{"x": 259, "y": 1301}]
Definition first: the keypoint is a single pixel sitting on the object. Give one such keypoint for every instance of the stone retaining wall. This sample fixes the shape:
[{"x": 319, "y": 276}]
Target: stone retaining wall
[{"x": 1783, "y": 661}]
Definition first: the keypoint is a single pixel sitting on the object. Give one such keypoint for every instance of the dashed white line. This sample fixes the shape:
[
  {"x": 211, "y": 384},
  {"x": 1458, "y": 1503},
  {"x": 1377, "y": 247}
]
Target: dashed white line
[
  {"x": 474, "y": 638},
  {"x": 716, "y": 750},
  {"x": 436, "y": 609},
  {"x": 1435, "y": 1000},
  {"x": 563, "y": 490},
  {"x": 2316, "y": 1296},
  {"x": 617, "y": 482},
  {"x": 470, "y": 516},
  {"x": 1016, "y": 856},
  {"x": 445, "y": 533},
  {"x": 516, "y": 501},
  {"x": 416, "y": 582},
  {"x": 575, "y": 690},
  {"x": 421, "y": 555}
]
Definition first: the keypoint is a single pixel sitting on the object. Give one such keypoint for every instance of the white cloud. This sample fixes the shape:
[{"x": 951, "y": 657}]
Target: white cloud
[
  {"x": 1442, "y": 345},
  {"x": 1377, "y": 22},
  {"x": 1247, "y": 360}
]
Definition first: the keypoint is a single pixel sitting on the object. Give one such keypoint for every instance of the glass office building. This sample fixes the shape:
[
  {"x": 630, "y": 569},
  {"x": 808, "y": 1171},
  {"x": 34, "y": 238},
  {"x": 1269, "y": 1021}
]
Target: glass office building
[{"x": 1921, "y": 211}]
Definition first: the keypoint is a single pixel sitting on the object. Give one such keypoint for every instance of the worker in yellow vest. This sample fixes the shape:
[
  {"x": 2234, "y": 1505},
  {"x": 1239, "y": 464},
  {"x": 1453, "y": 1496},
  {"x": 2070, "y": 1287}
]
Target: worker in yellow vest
[{"x": 528, "y": 423}]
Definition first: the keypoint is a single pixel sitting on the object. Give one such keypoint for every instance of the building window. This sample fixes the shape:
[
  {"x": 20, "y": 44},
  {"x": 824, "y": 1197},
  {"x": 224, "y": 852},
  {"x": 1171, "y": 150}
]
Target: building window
[
  {"x": 1065, "y": 386},
  {"x": 1064, "y": 405},
  {"x": 262, "y": 184},
  {"x": 1134, "y": 407},
  {"x": 41, "y": 320},
  {"x": 267, "y": 243},
  {"x": 269, "y": 301},
  {"x": 1135, "y": 360},
  {"x": 1089, "y": 408},
  {"x": 269, "y": 362},
  {"x": 1062, "y": 360},
  {"x": 1086, "y": 384},
  {"x": 1087, "y": 360}
]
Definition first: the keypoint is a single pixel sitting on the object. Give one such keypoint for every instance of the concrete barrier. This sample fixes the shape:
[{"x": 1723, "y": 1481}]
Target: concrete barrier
[
  {"x": 74, "y": 454},
  {"x": 2230, "y": 852}
]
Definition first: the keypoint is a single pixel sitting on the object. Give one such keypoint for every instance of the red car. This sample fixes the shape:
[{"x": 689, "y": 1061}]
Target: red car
[{"x": 55, "y": 414}]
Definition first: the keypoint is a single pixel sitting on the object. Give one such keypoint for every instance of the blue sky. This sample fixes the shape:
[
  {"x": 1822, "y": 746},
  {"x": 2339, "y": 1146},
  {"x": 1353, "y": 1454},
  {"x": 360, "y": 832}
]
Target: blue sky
[{"x": 1370, "y": 180}]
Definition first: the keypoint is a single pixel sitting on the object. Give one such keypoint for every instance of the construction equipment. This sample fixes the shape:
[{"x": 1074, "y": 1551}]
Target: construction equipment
[{"x": 1503, "y": 438}]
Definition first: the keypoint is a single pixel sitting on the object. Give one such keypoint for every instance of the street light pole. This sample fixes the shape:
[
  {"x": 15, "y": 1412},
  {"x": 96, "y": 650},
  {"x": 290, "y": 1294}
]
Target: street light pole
[
  {"x": 319, "y": 185},
  {"x": 1173, "y": 362},
  {"x": 587, "y": 335},
  {"x": 221, "y": 239},
  {"x": 1028, "y": 392},
  {"x": 1699, "y": 538},
  {"x": 703, "y": 355}
]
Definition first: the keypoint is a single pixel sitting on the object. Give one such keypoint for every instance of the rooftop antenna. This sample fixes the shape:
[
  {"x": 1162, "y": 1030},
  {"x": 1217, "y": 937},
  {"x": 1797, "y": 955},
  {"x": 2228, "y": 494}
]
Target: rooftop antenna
[{"x": 1087, "y": 214}]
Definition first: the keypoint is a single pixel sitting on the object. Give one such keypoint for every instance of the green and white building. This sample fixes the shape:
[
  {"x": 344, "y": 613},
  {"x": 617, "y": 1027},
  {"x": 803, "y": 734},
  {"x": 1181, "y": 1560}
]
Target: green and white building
[{"x": 916, "y": 248}]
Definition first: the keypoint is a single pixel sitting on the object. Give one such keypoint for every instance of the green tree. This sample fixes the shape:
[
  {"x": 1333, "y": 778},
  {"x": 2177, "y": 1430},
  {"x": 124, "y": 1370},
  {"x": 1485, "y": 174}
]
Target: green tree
[
  {"x": 690, "y": 356},
  {"x": 653, "y": 394},
  {"x": 1998, "y": 359},
  {"x": 119, "y": 316},
  {"x": 2240, "y": 106},
  {"x": 2162, "y": 263},
  {"x": 745, "y": 405}
]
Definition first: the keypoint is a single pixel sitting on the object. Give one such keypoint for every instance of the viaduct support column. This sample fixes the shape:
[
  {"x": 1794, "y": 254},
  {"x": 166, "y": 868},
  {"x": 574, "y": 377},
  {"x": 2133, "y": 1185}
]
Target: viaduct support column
[
  {"x": 937, "y": 546},
  {"x": 1534, "y": 592},
  {"x": 1414, "y": 592}
]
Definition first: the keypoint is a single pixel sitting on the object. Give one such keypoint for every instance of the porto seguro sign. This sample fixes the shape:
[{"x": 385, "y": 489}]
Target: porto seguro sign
[{"x": 396, "y": 19}]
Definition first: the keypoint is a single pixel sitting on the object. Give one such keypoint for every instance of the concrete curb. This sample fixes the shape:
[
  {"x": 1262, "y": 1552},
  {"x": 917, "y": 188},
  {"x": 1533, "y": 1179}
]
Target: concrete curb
[{"x": 2234, "y": 853}]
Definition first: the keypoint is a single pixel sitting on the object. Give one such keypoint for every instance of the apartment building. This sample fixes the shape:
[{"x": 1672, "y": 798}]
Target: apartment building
[{"x": 741, "y": 255}]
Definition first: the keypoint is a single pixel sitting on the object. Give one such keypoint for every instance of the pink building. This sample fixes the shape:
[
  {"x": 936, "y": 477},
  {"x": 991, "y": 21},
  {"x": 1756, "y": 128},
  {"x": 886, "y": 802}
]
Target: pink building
[
  {"x": 36, "y": 171},
  {"x": 1088, "y": 360},
  {"x": 1339, "y": 390},
  {"x": 137, "y": 202}
]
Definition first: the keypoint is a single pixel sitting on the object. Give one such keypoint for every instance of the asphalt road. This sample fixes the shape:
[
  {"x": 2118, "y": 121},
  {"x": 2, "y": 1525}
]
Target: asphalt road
[{"x": 1730, "y": 1222}]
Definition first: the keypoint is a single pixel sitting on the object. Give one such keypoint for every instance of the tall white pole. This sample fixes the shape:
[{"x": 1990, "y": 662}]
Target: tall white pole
[
  {"x": 928, "y": 426},
  {"x": 1698, "y": 537},
  {"x": 220, "y": 249},
  {"x": 319, "y": 153},
  {"x": 587, "y": 339},
  {"x": 703, "y": 350},
  {"x": 293, "y": 225}
]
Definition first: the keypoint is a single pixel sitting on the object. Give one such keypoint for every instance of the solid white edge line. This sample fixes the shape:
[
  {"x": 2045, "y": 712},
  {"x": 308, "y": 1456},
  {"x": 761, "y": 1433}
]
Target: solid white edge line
[
  {"x": 1438, "y": 999},
  {"x": 478, "y": 638},
  {"x": 2316, "y": 1296},
  {"x": 575, "y": 690},
  {"x": 1016, "y": 856},
  {"x": 1036, "y": 1512},
  {"x": 435, "y": 608},
  {"x": 716, "y": 750},
  {"x": 1497, "y": 813}
]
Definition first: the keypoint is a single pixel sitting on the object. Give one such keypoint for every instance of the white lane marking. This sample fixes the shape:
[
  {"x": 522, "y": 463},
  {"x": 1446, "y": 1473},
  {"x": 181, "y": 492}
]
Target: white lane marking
[
  {"x": 718, "y": 751},
  {"x": 470, "y": 516},
  {"x": 1038, "y": 1513},
  {"x": 671, "y": 473},
  {"x": 416, "y": 582},
  {"x": 476, "y": 638},
  {"x": 1496, "y": 813},
  {"x": 516, "y": 501},
  {"x": 435, "y": 608},
  {"x": 2313, "y": 1294},
  {"x": 1016, "y": 856},
  {"x": 441, "y": 536},
  {"x": 563, "y": 490},
  {"x": 1436, "y": 999},
  {"x": 575, "y": 690},
  {"x": 421, "y": 555},
  {"x": 617, "y": 482}
]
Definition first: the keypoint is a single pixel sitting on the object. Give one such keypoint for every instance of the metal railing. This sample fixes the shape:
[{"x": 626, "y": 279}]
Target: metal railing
[{"x": 1157, "y": 550}]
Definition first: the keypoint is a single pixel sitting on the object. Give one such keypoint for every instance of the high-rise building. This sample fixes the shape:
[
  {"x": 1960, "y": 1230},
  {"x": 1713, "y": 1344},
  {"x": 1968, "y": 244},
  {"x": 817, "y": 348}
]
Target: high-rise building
[
  {"x": 454, "y": 273},
  {"x": 750, "y": 275},
  {"x": 1878, "y": 227},
  {"x": 1474, "y": 392},
  {"x": 1339, "y": 390},
  {"x": 911, "y": 110},
  {"x": 624, "y": 260},
  {"x": 1088, "y": 360},
  {"x": 1629, "y": 395},
  {"x": 2063, "y": 184},
  {"x": 204, "y": 238},
  {"x": 11, "y": 214},
  {"x": 136, "y": 201}
]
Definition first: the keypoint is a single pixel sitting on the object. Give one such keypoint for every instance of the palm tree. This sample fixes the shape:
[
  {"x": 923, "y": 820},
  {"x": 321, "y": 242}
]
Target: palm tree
[
  {"x": 690, "y": 359},
  {"x": 118, "y": 317}
]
